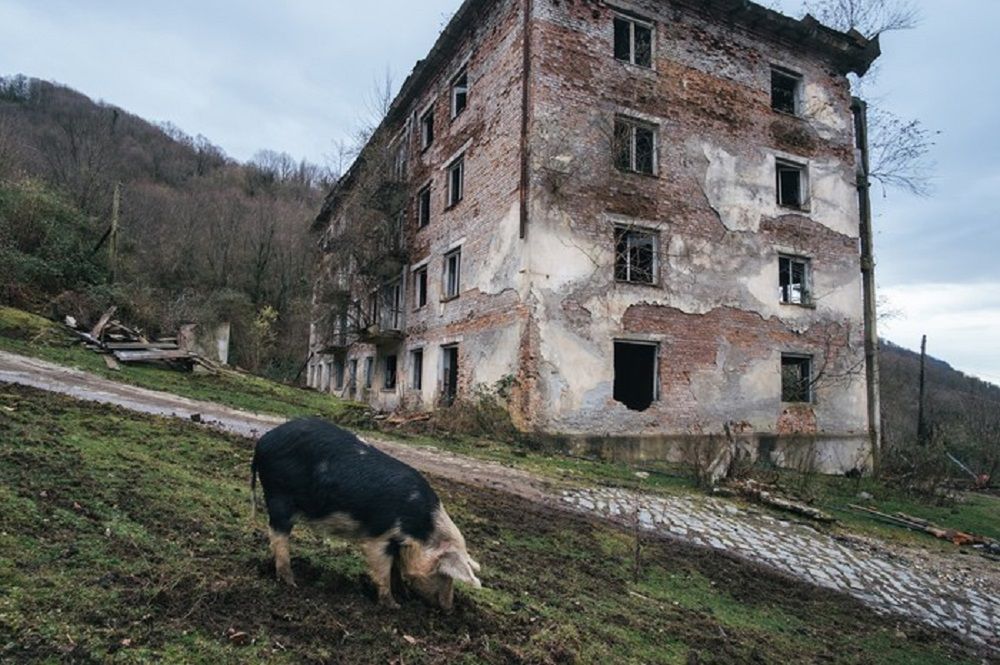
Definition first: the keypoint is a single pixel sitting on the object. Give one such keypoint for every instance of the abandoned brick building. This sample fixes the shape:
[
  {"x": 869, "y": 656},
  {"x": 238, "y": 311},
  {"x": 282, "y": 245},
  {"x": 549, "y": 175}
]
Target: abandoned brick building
[{"x": 640, "y": 217}]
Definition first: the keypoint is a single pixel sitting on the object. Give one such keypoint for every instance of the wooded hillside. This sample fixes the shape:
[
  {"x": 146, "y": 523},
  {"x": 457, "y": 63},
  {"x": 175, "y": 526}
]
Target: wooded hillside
[{"x": 201, "y": 238}]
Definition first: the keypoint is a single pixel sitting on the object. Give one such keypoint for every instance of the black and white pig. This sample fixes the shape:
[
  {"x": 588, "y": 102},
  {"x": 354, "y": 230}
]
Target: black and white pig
[{"x": 313, "y": 470}]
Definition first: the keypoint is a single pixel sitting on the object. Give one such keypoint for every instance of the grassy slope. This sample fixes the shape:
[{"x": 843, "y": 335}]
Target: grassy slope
[
  {"x": 25, "y": 333},
  {"x": 125, "y": 538}
]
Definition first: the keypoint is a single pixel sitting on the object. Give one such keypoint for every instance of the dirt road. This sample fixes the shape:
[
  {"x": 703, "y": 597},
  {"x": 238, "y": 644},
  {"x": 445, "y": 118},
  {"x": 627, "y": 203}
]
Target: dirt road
[{"x": 961, "y": 595}]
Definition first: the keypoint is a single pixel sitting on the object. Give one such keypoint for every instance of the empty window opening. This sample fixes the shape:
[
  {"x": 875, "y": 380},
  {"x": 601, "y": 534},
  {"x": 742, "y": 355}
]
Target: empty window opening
[
  {"x": 452, "y": 273},
  {"x": 791, "y": 184},
  {"x": 338, "y": 374},
  {"x": 424, "y": 207},
  {"x": 793, "y": 280},
  {"x": 420, "y": 279},
  {"x": 369, "y": 371},
  {"x": 352, "y": 379},
  {"x": 796, "y": 378},
  {"x": 427, "y": 129},
  {"x": 449, "y": 374},
  {"x": 635, "y": 255},
  {"x": 634, "y": 41},
  {"x": 456, "y": 181},
  {"x": 417, "y": 369},
  {"x": 391, "y": 306},
  {"x": 785, "y": 91},
  {"x": 459, "y": 93},
  {"x": 389, "y": 373},
  {"x": 399, "y": 162},
  {"x": 636, "y": 383},
  {"x": 635, "y": 146}
]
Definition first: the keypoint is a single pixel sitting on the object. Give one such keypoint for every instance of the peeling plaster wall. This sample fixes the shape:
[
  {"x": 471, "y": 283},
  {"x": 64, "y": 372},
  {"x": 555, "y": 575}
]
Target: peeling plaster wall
[{"x": 715, "y": 310}]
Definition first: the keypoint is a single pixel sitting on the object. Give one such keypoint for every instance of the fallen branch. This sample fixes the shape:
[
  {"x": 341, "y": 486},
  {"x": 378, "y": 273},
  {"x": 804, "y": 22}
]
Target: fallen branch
[
  {"x": 924, "y": 526},
  {"x": 756, "y": 492}
]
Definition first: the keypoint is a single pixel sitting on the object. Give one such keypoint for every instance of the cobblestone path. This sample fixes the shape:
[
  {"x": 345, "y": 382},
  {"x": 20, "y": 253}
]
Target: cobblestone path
[
  {"x": 959, "y": 594},
  {"x": 946, "y": 597}
]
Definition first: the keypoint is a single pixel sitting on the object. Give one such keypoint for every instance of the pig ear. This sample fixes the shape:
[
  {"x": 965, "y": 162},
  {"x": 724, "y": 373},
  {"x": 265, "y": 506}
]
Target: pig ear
[{"x": 456, "y": 566}]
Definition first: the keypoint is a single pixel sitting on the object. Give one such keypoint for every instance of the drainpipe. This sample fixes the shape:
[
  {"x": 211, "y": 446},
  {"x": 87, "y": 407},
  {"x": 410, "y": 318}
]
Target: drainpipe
[
  {"x": 860, "y": 110},
  {"x": 528, "y": 8}
]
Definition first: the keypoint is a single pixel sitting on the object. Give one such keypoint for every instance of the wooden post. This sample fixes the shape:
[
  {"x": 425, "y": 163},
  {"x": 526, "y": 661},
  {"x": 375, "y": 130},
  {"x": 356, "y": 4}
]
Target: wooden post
[
  {"x": 921, "y": 409},
  {"x": 113, "y": 235}
]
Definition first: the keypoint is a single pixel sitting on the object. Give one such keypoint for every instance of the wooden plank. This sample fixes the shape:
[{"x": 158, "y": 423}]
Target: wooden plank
[
  {"x": 140, "y": 346},
  {"x": 111, "y": 362},
  {"x": 155, "y": 354},
  {"x": 102, "y": 322}
]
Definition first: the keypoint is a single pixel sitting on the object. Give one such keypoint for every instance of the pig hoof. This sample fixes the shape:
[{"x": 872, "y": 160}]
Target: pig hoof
[
  {"x": 288, "y": 579},
  {"x": 388, "y": 603}
]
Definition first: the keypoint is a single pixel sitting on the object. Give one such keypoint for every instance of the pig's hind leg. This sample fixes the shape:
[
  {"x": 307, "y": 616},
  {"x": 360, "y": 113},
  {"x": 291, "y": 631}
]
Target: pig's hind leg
[
  {"x": 378, "y": 554},
  {"x": 279, "y": 531}
]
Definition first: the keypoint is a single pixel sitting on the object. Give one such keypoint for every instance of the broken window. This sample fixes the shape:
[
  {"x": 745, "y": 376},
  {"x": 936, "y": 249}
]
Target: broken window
[
  {"x": 449, "y": 374},
  {"x": 420, "y": 284},
  {"x": 459, "y": 93},
  {"x": 793, "y": 280},
  {"x": 791, "y": 184},
  {"x": 635, "y": 146},
  {"x": 634, "y": 41},
  {"x": 785, "y": 90},
  {"x": 636, "y": 383},
  {"x": 427, "y": 128},
  {"x": 392, "y": 306},
  {"x": 369, "y": 371},
  {"x": 796, "y": 378},
  {"x": 352, "y": 379},
  {"x": 456, "y": 181},
  {"x": 452, "y": 273},
  {"x": 417, "y": 369},
  {"x": 389, "y": 373},
  {"x": 635, "y": 255},
  {"x": 424, "y": 207},
  {"x": 399, "y": 162}
]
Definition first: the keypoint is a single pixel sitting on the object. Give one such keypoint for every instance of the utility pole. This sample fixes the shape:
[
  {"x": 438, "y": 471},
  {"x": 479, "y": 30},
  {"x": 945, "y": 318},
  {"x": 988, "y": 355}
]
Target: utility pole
[
  {"x": 860, "y": 110},
  {"x": 113, "y": 235}
]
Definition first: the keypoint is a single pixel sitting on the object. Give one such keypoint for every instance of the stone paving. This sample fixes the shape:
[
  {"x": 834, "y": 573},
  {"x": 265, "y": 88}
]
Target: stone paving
[
  {"x": 947, "y": 598},
  {"x": 954, "y": 593}
]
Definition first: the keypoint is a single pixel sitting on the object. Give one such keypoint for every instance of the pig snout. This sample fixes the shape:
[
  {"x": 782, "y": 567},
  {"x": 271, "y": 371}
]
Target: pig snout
[{"x": 314, "y": 471}]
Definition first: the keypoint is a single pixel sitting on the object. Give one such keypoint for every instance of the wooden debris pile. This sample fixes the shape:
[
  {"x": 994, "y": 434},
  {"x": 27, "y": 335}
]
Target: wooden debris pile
[
  {"x": 118, "y": 343},
  {"x": 988, "y": 545},
  {"x": 770, "y": 496}
]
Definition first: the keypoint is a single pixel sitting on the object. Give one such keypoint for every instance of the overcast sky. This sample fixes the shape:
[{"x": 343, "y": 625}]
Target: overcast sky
[{"x": 295, "y": 76}]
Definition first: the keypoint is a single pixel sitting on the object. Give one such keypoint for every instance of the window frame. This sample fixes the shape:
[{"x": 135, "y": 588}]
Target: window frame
[
  {"x": 369, "y": 372},
  {"x": 427, "y": 128},
  {"x": 633, "y": 22},
  {"x": 390, "y": 380},
  {"x": 802, "y": 168},
  {"x": 424, "y": 206},
  {"x": 456, "y": 165},
  {"x": 657, "y": 351},
  {"x": 805, "y": 294},
  {"x": 447, "y": 293},
  {"x": 806, "y": 383},
  {"x": 624, "y": 231},
  {"x": 417, "y": 368},
  {"x": 633, "y": 125},
  {"x": 456, "y": 90},
  {"x": 797, "y": 90}
]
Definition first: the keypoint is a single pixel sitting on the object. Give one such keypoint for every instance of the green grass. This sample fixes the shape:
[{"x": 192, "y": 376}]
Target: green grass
[
  {"x": 126, "y": 539},
  {"x": 28, "y": 334}
]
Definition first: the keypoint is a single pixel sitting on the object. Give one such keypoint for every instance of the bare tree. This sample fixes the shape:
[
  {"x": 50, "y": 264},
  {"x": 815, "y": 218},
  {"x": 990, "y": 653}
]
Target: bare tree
[{"x": 869, "y": 17}]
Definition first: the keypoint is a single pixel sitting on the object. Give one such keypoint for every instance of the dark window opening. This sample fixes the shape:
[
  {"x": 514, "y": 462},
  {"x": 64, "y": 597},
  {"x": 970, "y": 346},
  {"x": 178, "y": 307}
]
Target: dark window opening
[
  {"x": 796, "y": 378},
  {"x": 785, "y": 91},
  {"x": 424, "y": 207},
  {"x": 369, "y": 371},
  {"x": 634, "y": 146},
  {"x": 417, "y": 369},
  {"x": 452, "y": 273},
  {"x": 449, "y": 374},
  {"x": 456, "y": 181},
  {"x": 793, "y": 280},
  {"x": 353, "y": 376},
  {"x": 635, "y": 256},
  {"x": 633, "y": 41},
  {"x": 389, "y": 373},
  {"x": 790, "y": 184},
  {"x": 459, "y": 93},
  {"x": 338, "y": 374},
  {"x": 427, "y": 129},
  {"x": 421, "y": 285},
  {"x": 635, "y": 375}
]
